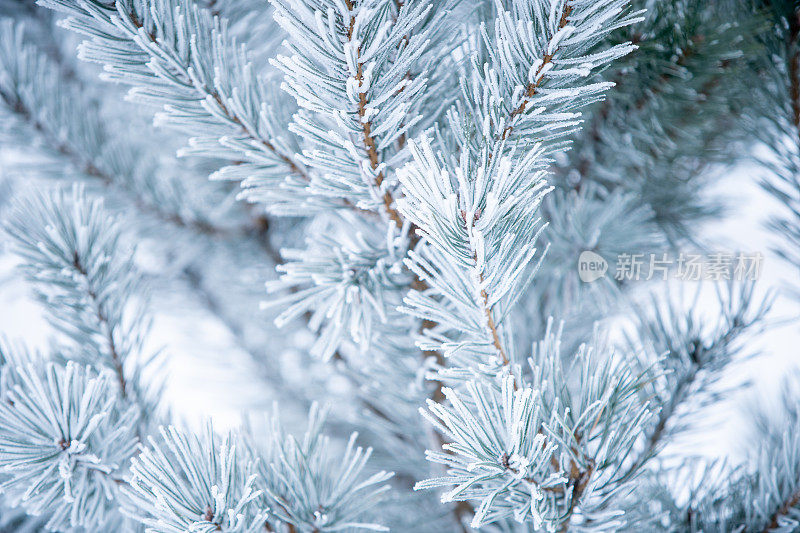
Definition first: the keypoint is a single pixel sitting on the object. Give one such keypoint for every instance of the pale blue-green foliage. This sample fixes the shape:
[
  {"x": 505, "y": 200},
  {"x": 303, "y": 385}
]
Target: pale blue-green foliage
[
  {"x": 372, "y": 58},
  {"x": 375, "y": 94},
  {"x": 768, "y": 479},
  {"x": 40, "y": 101},
  {"x": 776, "y": 123},
  {"x": 531, "y": 76},
  {"x": 440, "y": 244},
  {"x": 65, "y": 439},
  {"x": 549, "y": 444},
  {"x": 498, "y": 453},
  {"x": 252, "y": 481},
  {"x": 393, "y": 380},
  {"x": 171, "y": 206},
  {"x": 480, "y": 223},
  {"x": 673, "y": 110},
  {"x": 691, "y": 351},
  {"x": 349, "y": 278},
  {"x": 606, "y": 223},
  {"x": 68, "y": 433},
  {"x": 759, "y": 495},
  {"x": 250, "y": 21},
  {"x": 376, "y": 59},
  {"x": 528, "y": 88},
  {"x": 179, "y": 58},
  {"x": 13, "y": 518},
  {"x": 73, "y": 254},
  {"x": 605, "y": 413},
  {"x": 696, "y": 496},
  {"x": 772, "y": 483},
  {"x": 186, "y": 482},
  {"x": 310, "y": 486}
]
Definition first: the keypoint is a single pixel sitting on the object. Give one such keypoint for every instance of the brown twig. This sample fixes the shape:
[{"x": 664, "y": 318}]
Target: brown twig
[
  {"x": 533, "y": 87},
  {"x": 579, "y": 479},
  {"x": 492, "y": 326},
  {"x": 787, "y": 506},
  {"x": 366, "y": 130},
  {"x": 294, "y": 167},
  {"x": 102, "y": 318}
]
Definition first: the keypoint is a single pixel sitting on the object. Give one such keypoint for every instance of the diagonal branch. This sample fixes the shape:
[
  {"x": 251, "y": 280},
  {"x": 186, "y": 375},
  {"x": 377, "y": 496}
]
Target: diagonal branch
[
  {"x": 105, "y": 327},
  {"x": 533, "y": 87},
  {"x": 293, "y": 166}
]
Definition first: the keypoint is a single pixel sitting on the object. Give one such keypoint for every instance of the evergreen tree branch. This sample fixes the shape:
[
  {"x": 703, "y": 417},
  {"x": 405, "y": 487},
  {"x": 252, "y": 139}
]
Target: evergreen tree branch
[
  {"x": 73, "y": 257},
  {"x": 137, "y": 29},
  {"x": 232, "y": 117},
  {"x": 104, "y": 324},
  {"x": 69, "y": 420},
  {"x": 785, "y": 508},
  {"x": 70, "y": 125},
  {"x": 694, "y": 358},
  {"x": 533, "y": 87},
  {"x": 366, "y": 124}
]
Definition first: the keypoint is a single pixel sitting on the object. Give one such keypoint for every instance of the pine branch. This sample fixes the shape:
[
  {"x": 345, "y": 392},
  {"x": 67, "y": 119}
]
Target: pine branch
[
  {"x": 695, "y": 67},
  {"x": 72, "y": 255},
  {"x": 533, "y": 87},
  {"x": 379, "y": 89},
  {"x": 785, "y": 508},
  {"x": 369, "y": 141},
  {"x": 774, "y": 120},
  {"x": 312, "y": 489},
  {"x": 233, "y": 117},
  {"x": 103, "y": 322},
  {"x": 474, "y": 223},
  {"x": 66, "y": 438},
  {"x": 185, "y": 482},
  {"x": 694, "y": 359},
  {"x": 70, "y": 126},
  {"x": 454, "y": 251},
  {"x": 59, "y": 110},
  {"x": 240, "y": 128}
]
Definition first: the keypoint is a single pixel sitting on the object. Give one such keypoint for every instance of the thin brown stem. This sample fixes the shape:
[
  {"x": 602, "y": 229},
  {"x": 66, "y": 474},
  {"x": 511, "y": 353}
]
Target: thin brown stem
[
  {"x": 579, "y": 480},
  {"x": 784, "y": 509},
  {"x": 366, "y": 130},
  {"x": 493, "y": 326},
  {"x": 533, "y": 87},
  {"x": 293, "y": 166},
  {"x": 108, "y": 332}
]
